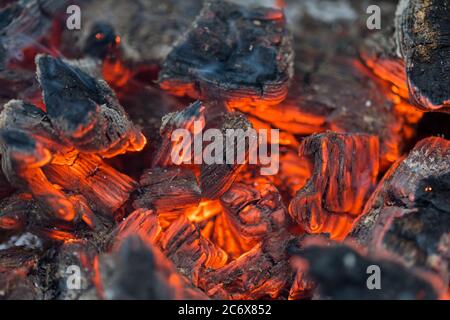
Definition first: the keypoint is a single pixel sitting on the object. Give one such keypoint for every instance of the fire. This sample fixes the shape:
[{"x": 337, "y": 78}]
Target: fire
[{"x": 231, "y": 237}]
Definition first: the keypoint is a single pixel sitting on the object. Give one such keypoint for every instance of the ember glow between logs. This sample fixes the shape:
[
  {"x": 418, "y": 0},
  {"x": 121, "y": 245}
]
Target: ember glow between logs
[{"x": 87, "y": 126}]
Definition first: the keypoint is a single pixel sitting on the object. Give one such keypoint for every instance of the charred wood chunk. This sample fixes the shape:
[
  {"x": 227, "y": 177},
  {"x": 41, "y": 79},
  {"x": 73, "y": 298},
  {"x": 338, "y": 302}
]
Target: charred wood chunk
[
  {"x": 254, "y": 212},
  {"x": 138, "y": 271},
  {"x": 84, "y": 111},
  {"x": 168, "y": 190},
  {"x": 82, "y": 114},
  {"x": 16, "y": 265},
  {"x": 408, "y": 213},
  {"x": 36, "y": 159},
  {"x": 22, "y": 157},
  {"x": 230, "y": 156},
  {"x": 422, "y": 29},
  {"x": 191, "y": 119},
  {"x": 14, "y": 211},
  {"x": 263, "y": 272},
  {"x": 344, "y": 175},
  {"x": 341, "y": 272},
  {"x": 191, "y": 253},
  {"x": 140, "y": 222},
  {"x": 105, "y": 188},
  {"x": 238, "y": 54}
]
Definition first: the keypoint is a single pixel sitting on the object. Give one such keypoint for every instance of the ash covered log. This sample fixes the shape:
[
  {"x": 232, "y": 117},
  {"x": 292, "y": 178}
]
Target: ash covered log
[
  {"x": 169, "y": 191},
  {"x": 138, "y": 271},
  {"x": 230, "y": 157},
  {"x": 234, "y": 53},
  {"x": 344, "y": 174},
  {"x": 341, "y": 272},
  {"x": 408, "y": 213}
]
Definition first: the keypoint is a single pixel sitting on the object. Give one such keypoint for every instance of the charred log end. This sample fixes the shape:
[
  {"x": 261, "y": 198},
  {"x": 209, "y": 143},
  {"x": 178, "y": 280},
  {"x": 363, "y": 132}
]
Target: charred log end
[{"x": 422, "y": 30}]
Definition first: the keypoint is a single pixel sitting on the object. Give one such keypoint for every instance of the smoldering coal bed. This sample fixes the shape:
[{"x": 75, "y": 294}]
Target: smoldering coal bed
[{"x": 88, "y": 118}]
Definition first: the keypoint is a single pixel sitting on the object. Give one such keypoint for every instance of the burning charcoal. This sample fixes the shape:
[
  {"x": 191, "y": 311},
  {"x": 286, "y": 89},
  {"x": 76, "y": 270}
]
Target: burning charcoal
[
  {"x": 408, "y": 213},
  {"x": 254, "y": 229},
  {"x": 140, "y": 271},
  {"x": 262, "y": 272},
  {"x": 184, "y": 119},
  {"x": 379, "y": 53},
  {"x": 147, "y": 29},
  {"x": 32, "y": 154},
  {"x": 294, "y": 172},
  {"x": 140, "y": 222},
  {"x": 146, "y": 106},
  {"x": 77, "y": 272},
  {"x": 341, "y": 272},
  {"x": 100, "y": 40},
  {"x": 41, "y": 149},
  {"x": 17, "y": 261},
  {"x": 105, "y": 189},
  {"x": 190, "y": 252},
  {"x": 85, "y": 111},
  {"x": 17, "y": 84},
  {"x": 422, "y": 34},
  {"x": 216, "y": 178},
  {"x": 22, "y": 24},
  {"x": 168, "y": 191},
  {"x": 233, "y": 53},
  {"x": 252, "y": 212},
  {"x": 345, "y": 172},
  {"x": 14, "y": 211},
  {"x": 331, "y": 89}
]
